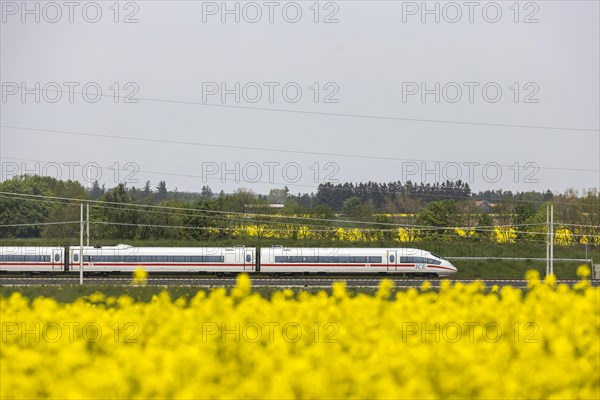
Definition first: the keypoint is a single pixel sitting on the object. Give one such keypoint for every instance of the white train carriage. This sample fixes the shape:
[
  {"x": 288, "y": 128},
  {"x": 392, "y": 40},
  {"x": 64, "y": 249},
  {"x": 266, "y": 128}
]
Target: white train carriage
[
  {"x": 124, "y": 258},
  {"x": 32, "y": 259},
  {"x": 279, "y": 259}
]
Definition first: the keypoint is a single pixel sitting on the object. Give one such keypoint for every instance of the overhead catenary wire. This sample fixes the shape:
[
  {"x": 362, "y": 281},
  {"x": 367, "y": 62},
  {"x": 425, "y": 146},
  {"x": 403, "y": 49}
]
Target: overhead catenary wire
[
  {"x": 330, "y": 231},
  {"x": 39, "y": 224},
  {"x": 370, "y": 225},
  {"x": 244, "y": 214}
]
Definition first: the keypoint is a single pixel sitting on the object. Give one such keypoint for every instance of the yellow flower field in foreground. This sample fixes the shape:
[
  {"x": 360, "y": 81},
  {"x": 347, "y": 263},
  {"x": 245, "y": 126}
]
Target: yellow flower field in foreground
[{"x": 460, "y": 341}]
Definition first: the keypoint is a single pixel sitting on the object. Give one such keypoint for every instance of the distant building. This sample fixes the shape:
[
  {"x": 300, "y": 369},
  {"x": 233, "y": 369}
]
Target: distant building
[{"x": 485, "y": 206}]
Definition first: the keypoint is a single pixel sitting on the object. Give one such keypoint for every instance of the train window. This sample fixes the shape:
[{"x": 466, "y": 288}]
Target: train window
[
  {"x": 418, "y": 260},
  {"x": 392, "y": 258},
  {"x": 375, "y": 259},
  {"x": 248, "y": 258},
  {"x": 25, "y": 258},
  {"x": 56, "y": 257},
  {"x": 75, "y": 257}
]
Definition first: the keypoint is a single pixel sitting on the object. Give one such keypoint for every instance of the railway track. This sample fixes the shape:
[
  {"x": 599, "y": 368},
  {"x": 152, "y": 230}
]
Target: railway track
[{"x": 283, "y": 282}]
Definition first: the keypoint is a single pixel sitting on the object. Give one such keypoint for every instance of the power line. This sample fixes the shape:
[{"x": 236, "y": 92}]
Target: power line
[
  {"x": 281, "y": 216},
  {"x": 171, "y": 208},
  {"x": 471, "y": 196},
  {"x": 188, "y": 227},
  {"x": 203, "y": 177},
  {"x": 371, "y": 224},
  {"x": 330, "y": 114},
  {"x": 364, "y": 231},
  {"x": 266, "y": 149},
  {"x": 337, "y": 187},
  {"x": 39, "y": 223},
  {"x": 329, "y": 185}
]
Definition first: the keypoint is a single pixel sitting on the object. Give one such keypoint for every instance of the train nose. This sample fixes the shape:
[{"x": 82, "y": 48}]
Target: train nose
[{"x": 452, "y": 268}]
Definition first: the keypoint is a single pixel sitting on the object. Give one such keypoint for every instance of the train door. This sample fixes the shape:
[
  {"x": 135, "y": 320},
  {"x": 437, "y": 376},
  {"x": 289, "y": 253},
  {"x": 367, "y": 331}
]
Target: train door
[
  {"x": 249, "y": 260},
  {"x": 392, "y": 259},
  {"x": 57, "y": 264},
  {"x": 74, "y": 261}
]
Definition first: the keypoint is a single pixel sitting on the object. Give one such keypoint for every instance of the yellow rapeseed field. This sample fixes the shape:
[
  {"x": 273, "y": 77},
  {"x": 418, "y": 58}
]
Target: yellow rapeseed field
[
  {"x": 562, "y": 236},
  {"x": 461, "y": 341}
]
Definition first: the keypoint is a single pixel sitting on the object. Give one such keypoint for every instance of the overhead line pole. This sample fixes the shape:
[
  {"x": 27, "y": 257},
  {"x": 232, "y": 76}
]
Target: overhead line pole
[
  {"x": 552, "y": 239},
  {"x": 87, "y": 224},
  {"x": 549, "y": 239},
  {"x": 81, "y": 245}
]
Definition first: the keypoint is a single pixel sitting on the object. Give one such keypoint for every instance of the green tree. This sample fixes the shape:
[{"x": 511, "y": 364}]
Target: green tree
[
  {"x": 26, "y": 212},
  {"x": 278, "y": 196},
  {"x": 117, "y": 221},
  {"x": 206, "y": 192},
  {"x": 201, "y": 220},
  {"x": 438, "y": 213},
  {"x": 96, "y": 191},
  {"x": 162, "y": 192},
  {"x": 356, "y": 210}
]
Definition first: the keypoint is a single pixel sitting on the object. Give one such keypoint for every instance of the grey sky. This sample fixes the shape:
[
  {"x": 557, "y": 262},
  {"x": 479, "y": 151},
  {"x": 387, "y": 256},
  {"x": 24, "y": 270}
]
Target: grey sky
[{"x": 370, "y": 55}]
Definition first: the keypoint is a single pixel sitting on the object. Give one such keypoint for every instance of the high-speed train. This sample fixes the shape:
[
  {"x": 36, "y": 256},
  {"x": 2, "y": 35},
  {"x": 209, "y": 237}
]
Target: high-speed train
[{"x": 266, "y": 260}]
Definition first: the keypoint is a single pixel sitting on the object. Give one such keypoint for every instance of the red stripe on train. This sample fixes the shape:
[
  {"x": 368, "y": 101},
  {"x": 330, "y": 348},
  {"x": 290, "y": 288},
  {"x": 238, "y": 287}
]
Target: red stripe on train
[
  {"x": 158, "y": 265},
  {"x": 349, "y": 265}
]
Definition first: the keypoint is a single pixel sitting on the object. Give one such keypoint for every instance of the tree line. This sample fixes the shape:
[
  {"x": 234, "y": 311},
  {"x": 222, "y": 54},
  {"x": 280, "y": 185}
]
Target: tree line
[{"x": 204, "y": 215}]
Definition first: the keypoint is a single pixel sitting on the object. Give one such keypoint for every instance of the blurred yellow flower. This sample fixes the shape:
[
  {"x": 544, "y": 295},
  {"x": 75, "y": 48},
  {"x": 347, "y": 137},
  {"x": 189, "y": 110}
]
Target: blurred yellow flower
[
  {"x": 449, "y": 343},
  {"x": 140, "y": 277},
  {"x": 583, "y": 271},
  {"x": 243, "y": 286},
  {"x": 385, "y": 289},
  {"x": 339, "y": 290}
]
